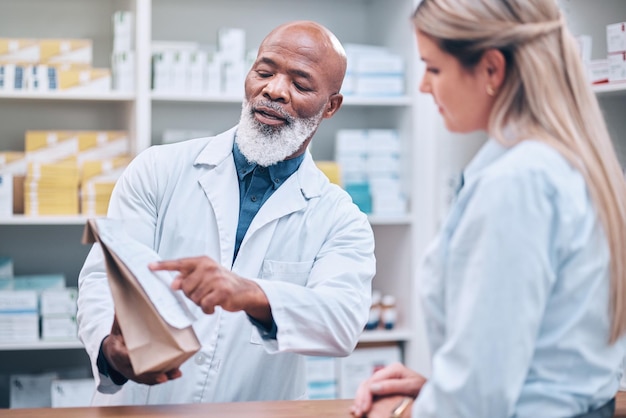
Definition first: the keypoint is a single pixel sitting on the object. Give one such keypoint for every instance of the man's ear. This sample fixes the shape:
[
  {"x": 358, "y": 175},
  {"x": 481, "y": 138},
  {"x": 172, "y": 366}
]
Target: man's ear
[
  {"x": 494, "y": 64},
  {"x": 333, "y": 105}
]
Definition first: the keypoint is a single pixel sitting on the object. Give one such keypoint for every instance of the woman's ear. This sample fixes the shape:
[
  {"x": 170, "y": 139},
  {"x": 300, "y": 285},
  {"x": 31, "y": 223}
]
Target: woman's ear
[{"x": 494, "y": 65}]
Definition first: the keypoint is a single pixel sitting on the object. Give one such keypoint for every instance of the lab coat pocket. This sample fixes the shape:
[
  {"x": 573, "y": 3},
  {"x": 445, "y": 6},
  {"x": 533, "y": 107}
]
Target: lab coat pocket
[
  {"x": 255, "y": 337},
  {"x": 296, "y": 272}
]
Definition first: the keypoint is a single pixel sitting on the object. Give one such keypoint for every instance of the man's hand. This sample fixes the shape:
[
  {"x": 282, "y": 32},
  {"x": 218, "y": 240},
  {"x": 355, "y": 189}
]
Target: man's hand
[
  {"x": 208, "y": 284},
  {"x": 378, "y": 395},
  {"x": 116, "y": 354}
]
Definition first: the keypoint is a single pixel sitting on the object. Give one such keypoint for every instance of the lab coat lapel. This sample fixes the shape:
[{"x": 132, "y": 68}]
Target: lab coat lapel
[
  {"x": 221, "y": 187},
  {"x": 291, "y": 197}
]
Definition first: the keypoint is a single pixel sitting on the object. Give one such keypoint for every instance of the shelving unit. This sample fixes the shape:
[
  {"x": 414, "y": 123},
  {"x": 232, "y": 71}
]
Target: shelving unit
[
  {"x": 591, "y": 18},
  {"x": 52, "y": 244}
]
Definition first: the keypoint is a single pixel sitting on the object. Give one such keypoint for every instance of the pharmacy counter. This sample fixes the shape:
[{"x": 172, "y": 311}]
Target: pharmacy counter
[{"x": 282, "y": 409}]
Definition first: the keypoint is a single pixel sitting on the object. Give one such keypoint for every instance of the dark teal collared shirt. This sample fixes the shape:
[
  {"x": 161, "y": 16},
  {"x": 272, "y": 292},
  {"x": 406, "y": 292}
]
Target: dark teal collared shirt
[{"x": 256, "y": 185}]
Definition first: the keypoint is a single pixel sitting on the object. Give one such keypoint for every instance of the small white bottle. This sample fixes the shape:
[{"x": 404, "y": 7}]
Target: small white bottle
[
  {"x": 375, "y": 310},
  {"x": 388, "y": 313}
]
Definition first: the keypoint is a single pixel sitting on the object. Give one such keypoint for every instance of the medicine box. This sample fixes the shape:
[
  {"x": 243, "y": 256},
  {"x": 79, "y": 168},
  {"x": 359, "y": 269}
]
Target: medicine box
[
  {"x": 58, "y": 301},
  {"x": 617, "y": 67},
  {"x": 77, "y": 51},
  {"x": 14, "y": 50},
  {"x": 616, "y": 37},
  {"x": 58, "y": 328}
]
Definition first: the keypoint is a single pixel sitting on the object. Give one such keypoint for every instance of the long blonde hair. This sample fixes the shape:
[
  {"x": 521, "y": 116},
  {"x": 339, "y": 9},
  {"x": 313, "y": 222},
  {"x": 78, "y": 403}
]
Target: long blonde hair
[{"x": 545, "y": 95}]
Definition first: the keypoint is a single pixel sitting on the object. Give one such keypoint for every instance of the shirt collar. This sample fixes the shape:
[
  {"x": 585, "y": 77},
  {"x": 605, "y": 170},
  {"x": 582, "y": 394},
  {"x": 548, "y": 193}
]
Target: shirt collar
[{"x": 278, "y": 172}]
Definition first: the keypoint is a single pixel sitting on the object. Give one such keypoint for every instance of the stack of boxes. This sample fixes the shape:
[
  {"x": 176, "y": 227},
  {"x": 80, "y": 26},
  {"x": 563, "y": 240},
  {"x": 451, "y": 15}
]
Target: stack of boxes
[
  {"x": 339, "y": 378},
  {"x": 62, "y": 172},
  {"x": 370, "y": 169},
  {"x": 60, "y": 162},
  {"x": 51, "y": 184},
  {"x": 43, "y": 65},
  {"x": 45, "y": 390},
  {"x": 193, "y": 69},
  {"x": 123, "y": 55},
  {"x": 55, "y": 161},
  {"x": 321, "y": 375},
  {"x": 373, "y": 71},
  {"x": 41, "y": 308},
  {"x": 19, "y": 317},
  {"x": 613, "y": 68},
  {"x": 616, "y": 48},
  {"x": 98, "y": 177},
  {"x": 25, "y": 300},
  {"x": 58, "y": 314},
  {"x": 12, "y": 169}
]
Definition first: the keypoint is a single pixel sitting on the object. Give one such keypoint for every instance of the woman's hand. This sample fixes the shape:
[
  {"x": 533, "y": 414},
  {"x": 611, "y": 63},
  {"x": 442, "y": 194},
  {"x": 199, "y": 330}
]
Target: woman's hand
[{"x": 395, "y": 380}]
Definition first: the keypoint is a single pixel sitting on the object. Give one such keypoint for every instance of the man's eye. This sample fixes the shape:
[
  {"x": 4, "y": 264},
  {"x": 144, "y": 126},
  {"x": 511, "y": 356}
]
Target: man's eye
[
  {"x": 263, "y": 74},
  {"x": 301, "y": 87},
  {"x": 432, "y": 70}
]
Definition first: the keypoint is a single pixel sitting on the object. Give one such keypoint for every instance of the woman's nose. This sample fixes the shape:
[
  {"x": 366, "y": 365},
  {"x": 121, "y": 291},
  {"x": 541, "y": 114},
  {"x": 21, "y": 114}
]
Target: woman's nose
[{"x": 424, "y": 85}]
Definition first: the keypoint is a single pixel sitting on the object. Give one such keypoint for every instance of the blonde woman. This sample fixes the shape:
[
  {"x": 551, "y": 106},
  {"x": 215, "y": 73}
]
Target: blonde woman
[{"x": 524, "y": 289}]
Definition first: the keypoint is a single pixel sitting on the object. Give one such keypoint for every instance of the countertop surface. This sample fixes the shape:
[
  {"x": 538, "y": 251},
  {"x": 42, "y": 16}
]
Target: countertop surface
[{"x": 280, "y": 409}]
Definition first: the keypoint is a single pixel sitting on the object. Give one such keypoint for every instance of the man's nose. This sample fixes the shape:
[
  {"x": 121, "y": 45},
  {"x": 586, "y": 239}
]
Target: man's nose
[{"x": 277, "y": 89}]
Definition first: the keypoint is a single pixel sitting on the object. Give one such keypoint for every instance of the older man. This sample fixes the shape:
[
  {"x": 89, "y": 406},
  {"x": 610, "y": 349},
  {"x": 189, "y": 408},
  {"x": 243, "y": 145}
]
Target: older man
[{"x": 276, "y": 261}]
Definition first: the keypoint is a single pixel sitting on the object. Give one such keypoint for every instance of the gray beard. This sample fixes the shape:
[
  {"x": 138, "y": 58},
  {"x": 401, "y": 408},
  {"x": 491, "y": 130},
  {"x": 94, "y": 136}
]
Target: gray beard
[{"x": 266, "y": 145}]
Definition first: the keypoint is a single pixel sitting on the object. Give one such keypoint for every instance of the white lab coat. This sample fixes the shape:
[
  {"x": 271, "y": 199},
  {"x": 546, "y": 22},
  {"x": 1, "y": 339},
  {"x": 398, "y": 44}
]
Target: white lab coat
[{"x": 309, "y": 248}]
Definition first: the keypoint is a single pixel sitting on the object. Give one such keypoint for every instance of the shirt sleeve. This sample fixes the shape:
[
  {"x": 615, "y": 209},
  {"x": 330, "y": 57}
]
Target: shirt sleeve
[
  {"x": 105, "y": 369},
  {"x": 497, "y": 278},
  {"x": 265, "y": 333}
]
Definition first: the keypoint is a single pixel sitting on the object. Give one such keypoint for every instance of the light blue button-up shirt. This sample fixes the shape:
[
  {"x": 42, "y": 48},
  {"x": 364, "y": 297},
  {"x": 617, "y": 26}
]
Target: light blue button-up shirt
[{"x": 515, "y": 291}]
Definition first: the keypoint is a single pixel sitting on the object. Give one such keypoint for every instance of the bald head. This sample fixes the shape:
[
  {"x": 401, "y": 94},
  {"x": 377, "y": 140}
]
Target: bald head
[
  {"x": 294, "y": 83},
  {"x": 316, "y": 42}
]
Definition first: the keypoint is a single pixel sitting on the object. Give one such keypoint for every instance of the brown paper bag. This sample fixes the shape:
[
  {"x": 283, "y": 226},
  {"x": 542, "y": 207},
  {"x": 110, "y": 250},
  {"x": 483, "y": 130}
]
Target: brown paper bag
[{"x": 153, "y": 344}]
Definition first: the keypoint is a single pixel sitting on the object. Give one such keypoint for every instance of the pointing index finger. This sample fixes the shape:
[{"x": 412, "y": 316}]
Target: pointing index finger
[{"x": 170, "y": 265}]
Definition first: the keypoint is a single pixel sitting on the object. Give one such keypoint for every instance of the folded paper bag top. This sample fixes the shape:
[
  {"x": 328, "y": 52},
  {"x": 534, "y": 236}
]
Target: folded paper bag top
[{"x": 154, "y": 320}]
